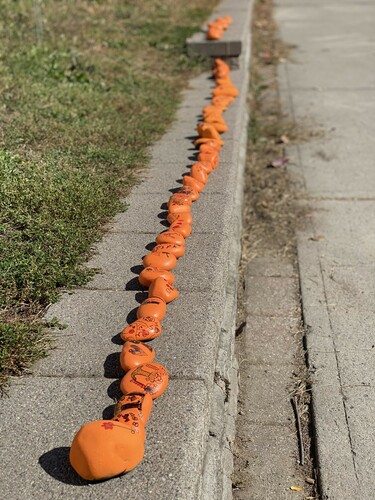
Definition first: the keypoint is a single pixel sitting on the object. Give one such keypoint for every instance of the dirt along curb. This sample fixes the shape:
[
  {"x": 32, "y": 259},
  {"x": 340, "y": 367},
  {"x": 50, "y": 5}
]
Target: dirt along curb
[{"x": 189, "y": 435}]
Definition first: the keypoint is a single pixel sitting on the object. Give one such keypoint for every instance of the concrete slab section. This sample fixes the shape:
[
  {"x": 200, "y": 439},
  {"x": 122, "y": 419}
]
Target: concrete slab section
[
  {"x": 359, "y": 404},
  {"x": 53, "y": 409},
  {"x": 269, "y": 340},
  {"x": 341, "y": 163},
  {"x": 333, "y": 45},
  {"x": 95, "y": 318},
  {"x": 272, "y": 475},
  {"x": 268, "y": 390},
  {"x": 120, "y": 254},
  {"x": 350, "y": 293},
  {"x": 271, "y": 267},
  {"x": 336, "y": 466},
  {"x": 344, "y": 232},
  {"x": 334, "y": 55},
  {"x": 270, "y": 296}
]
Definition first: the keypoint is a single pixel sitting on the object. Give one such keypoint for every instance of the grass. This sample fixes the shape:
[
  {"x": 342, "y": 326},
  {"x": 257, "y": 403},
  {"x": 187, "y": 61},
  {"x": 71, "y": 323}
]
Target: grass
[{"x": 86, "y": 87}]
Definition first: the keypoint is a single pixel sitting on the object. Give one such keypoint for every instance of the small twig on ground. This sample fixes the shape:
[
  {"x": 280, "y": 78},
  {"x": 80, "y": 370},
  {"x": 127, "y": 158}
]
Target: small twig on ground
[{"x": 299, "y": 431}]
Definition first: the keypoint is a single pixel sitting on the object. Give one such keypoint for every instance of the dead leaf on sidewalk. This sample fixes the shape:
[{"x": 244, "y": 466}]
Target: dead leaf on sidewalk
[
  {"x": 278, "y": 162},
  {"x": 317, "y": 237},
  {"x": 284, "y": 139}
]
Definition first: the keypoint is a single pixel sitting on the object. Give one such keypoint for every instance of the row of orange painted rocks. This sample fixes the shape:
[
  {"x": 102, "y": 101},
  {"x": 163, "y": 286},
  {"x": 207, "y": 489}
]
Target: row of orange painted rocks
[
  {"x": 217, "y": 27},
  {"x": 107, "y": 448}
]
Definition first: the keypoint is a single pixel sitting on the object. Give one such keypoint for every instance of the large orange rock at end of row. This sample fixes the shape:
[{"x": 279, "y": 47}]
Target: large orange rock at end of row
[{"x": 105, "y": 448}]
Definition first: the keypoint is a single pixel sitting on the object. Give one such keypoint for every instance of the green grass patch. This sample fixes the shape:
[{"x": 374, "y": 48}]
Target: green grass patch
[{"x": 86, "y": 87}]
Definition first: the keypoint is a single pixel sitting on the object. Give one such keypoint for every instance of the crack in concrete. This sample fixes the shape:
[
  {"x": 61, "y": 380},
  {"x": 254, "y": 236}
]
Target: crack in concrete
[{"x": 338, "y": 371}]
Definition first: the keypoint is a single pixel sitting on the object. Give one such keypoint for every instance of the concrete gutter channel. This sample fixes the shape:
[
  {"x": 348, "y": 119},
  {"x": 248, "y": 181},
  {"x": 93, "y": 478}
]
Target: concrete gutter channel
[{"x": 189, "y": 435}]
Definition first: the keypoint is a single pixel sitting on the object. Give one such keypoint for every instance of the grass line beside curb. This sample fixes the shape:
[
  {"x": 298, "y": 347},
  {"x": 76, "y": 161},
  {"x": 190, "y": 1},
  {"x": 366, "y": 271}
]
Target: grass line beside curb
[{"x": 86, "y": 87}]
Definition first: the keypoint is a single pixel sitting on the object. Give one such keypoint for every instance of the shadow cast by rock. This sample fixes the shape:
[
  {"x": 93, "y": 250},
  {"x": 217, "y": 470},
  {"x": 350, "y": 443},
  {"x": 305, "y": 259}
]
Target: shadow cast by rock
[
  {"x": 108, "y": 412},
  {"x": 56, "y": 463},
  {"x": 112, "y": 367},
  {"x": 114, "y": 391}
]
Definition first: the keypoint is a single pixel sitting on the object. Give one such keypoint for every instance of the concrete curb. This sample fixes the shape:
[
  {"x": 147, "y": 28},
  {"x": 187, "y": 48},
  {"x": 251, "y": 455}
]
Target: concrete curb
[
  {"x": 189, "y": 435},
  {"x": 234, "y": 39}
]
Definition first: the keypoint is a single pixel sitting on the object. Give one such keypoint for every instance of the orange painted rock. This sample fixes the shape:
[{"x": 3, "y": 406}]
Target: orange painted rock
[
  {"x": 181, "y": 227},
  {"x": 208, "y": 148},
  {"x": 181, "y": 198},
  {"x": 177, "y": 250},
  {"x": 191, "y": 191},
  {"x": 219, "y": 125},
  {"x": 223, "y": 101},
  {"x": 134, "y": 403},
  {"x": 178, "y": 207},
  {"x": 208, "y": 131},
  {"x": 207, "y": 110},
  {"x": 205, "y": 165},
  {"x": 213, "y": 117},
  {"x": 164, "y": 290},
  {"x": 161, "y": 260},
  {"x": 150, "y": 273},
  {"x": 199, "y": 173},
  {"x": 154, "y": 307},
  {"x": 224, "y": 81},
  {"x": 150, "y": 378},
  {"x": 212, "y": 158},
  {"x": 225, "y": 90},
  {"x": 189, "y": 181},
  {"x": 170, "y": 237},
  {"x": 135, "y": 353},
  {"x": 214, "y": 33},
  {"x": 106, "y": 448},
  {"x": 145, "y": 328},
  {"x": 186, "y": 217},
  {"x": 207, "y": 140}
]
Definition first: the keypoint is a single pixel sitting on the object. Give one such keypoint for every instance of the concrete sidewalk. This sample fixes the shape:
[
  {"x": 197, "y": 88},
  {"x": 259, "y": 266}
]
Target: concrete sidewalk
[
  {"x": 189, "y": 434},
  {"x": 329, "y": 83}
]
